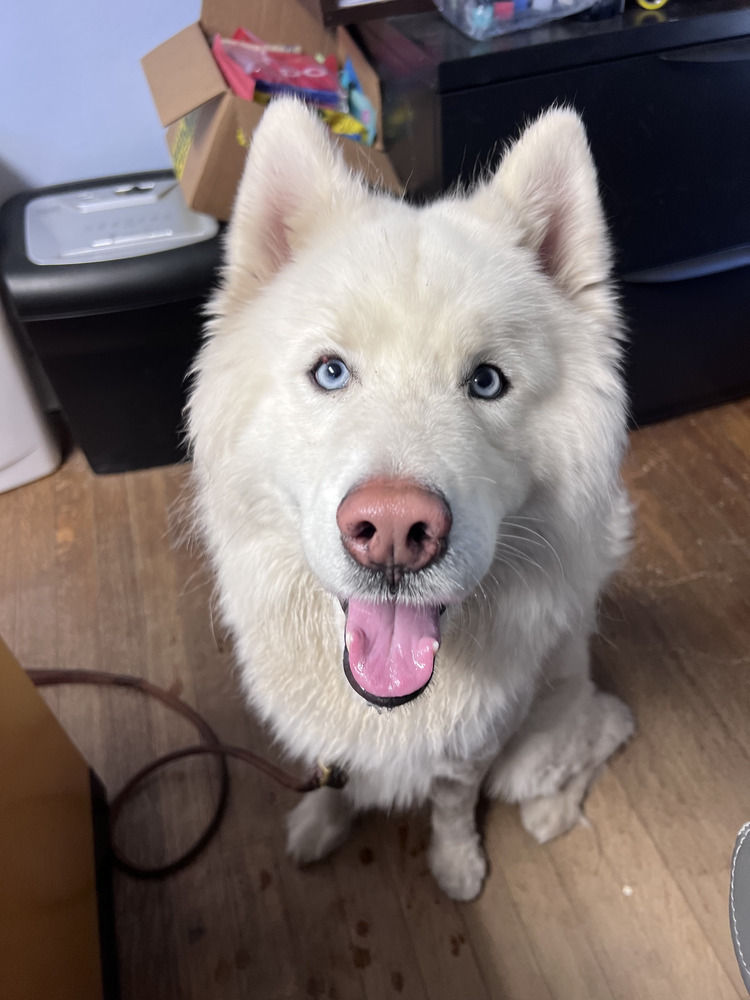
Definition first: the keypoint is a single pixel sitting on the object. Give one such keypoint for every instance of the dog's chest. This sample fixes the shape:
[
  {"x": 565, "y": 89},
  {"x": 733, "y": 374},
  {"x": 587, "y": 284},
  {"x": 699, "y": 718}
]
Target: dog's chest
[{"x": 393, "y": 755}]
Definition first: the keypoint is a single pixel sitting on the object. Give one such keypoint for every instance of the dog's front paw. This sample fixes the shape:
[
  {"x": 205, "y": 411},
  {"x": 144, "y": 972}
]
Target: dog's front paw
[
  {"x": 459, "y": 867},
  {"x": 318, "y": 825},
  {"x": 549, "y": 816}
]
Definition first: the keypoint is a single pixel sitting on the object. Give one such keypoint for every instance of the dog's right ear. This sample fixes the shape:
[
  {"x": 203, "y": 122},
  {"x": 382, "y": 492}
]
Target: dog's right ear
[{"x": 295, "y": 179}]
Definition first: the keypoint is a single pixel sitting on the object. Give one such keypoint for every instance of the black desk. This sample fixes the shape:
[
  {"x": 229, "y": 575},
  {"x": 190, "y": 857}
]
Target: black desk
[{"x": 666, "y": 101}]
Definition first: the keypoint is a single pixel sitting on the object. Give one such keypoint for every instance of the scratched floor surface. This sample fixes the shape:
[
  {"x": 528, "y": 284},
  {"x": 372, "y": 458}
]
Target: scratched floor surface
[{"x": 632, "y": 906}]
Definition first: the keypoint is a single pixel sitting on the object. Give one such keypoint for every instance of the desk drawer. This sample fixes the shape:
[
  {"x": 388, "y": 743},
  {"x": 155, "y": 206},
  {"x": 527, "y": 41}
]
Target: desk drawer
[
  {"x": 689, "y": 342},
  {"x": 669, "y": 132}
]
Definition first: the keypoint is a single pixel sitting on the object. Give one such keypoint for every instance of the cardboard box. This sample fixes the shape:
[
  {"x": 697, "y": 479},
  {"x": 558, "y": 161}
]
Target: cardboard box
[
  {"x": 208, "y": 128},
  {"x": 56, "y": 922}
]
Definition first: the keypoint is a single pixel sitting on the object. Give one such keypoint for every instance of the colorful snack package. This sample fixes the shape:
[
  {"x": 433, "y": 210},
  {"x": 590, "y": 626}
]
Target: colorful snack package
[
  {"x": 274, "y": 70},
  {"x": 359, "y": 105}
]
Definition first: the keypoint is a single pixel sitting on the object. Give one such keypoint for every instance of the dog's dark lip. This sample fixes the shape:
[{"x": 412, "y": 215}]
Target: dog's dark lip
[
  {"x": 374, "y": 699},
  {"x": 344, "y": 602}
]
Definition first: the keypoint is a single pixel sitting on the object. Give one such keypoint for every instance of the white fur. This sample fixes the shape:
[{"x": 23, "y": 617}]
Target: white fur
[{"x": 515, "y": 273}]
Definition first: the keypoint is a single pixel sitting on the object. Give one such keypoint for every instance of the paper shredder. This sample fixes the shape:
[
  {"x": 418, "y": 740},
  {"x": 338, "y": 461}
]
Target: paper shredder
[{"x": 104, "y": 283}]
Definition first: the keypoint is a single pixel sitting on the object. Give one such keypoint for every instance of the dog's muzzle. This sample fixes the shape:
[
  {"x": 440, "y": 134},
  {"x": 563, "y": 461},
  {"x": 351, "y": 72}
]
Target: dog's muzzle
[{"x": 393, "y": 527}]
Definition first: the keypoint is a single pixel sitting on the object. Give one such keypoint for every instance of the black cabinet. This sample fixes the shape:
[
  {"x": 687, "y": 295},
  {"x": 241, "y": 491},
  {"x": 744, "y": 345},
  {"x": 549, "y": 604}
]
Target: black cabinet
[{"x": 666, "y": 102}]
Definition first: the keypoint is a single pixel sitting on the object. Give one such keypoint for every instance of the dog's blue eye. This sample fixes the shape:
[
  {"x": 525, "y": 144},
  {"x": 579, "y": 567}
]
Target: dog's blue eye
[
  {"x": 332, "y": 374},
  {"x": 487, "y": 382}
]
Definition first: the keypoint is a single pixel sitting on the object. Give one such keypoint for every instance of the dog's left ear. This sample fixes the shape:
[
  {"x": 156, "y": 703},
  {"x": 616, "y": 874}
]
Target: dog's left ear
[
  {"x": 295, "y": 181},
  {"x": 546, "y": 186}
]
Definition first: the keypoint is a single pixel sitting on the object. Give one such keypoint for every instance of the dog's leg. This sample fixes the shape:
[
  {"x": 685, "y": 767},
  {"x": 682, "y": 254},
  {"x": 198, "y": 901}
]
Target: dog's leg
[
  {"x": 456, "y": 857},
  {"x": 318, "y": 825},
  {"x": 569, "y": 733}
]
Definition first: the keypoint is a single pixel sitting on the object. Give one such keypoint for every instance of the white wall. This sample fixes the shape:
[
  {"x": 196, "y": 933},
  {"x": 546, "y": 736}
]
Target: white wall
[{"x": 74, "y": 104}]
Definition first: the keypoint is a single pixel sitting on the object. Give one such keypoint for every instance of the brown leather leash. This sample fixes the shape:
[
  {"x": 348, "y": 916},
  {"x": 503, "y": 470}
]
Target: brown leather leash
[{"x": 332, "y": 777}]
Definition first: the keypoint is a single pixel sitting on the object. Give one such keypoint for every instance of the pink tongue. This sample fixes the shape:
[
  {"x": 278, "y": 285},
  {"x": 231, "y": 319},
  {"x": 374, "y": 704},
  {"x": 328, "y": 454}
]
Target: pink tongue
[{"x": 391, "y": 647}]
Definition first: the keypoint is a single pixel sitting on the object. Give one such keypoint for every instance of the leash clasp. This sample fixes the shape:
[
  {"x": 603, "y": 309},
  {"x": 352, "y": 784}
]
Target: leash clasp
[{"x": 331, "y": 775}]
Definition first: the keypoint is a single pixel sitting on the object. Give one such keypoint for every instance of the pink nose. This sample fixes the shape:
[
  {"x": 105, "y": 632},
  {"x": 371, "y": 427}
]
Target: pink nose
[{"x": 394, "y": 525}]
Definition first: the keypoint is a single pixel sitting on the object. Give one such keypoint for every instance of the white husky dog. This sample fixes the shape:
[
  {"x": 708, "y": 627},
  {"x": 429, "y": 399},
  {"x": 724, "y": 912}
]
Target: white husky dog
[{"x": 407, "y": 426}]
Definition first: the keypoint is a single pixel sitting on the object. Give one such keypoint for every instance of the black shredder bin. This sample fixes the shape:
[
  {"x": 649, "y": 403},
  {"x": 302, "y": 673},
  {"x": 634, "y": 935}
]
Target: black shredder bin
[{"x": 104, "y": 282}]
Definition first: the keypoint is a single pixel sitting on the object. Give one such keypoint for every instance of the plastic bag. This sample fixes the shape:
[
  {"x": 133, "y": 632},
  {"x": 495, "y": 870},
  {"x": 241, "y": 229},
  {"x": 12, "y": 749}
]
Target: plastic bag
[
  {"x": 256, "y": 71},
  {"x": 250, "y": 66},
  {"x": 480, "y": 19}
]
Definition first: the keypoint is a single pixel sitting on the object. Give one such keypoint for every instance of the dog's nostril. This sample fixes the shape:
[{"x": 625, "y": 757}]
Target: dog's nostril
[
  {"x": 364, "y": 531},
  {"x": 418, "y": 534}
]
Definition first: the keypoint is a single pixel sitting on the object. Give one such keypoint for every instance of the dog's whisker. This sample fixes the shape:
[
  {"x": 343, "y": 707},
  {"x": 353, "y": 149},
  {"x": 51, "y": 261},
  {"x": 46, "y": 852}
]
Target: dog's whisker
[
  {"x": 523, "y": 543},
  {"x": 542, "y": 541},
  {"x": 526, "y": 541},
  {"x": 203, "y": 581},
  {"x": 523, "y": 517},
  {"x": 514, "y": 553},
  {"x": 516, "y": 570}
]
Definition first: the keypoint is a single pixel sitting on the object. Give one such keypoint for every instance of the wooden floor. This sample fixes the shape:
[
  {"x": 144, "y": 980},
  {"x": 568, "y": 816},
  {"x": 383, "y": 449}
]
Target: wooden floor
[{"x": 632, "y": 906}]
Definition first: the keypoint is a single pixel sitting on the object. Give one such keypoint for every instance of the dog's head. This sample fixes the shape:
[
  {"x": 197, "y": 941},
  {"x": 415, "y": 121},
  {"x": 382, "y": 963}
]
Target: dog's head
[{"x": 384, "y": 387}]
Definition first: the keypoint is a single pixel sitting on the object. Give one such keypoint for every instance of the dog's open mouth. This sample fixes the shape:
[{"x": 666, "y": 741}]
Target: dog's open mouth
[{"x": 389, "y": 649}]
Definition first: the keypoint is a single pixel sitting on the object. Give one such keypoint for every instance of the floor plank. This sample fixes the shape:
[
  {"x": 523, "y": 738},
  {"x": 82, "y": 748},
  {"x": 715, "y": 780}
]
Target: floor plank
[
  {"x": 36, "y": 604},
  {"x": 92, "y": 573},
  {"x": 445, "y": 954},
  {"x": 617, "y": 878},
  {"x": 561, "y": 943},
  {"x": 10, "y": 557}
]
